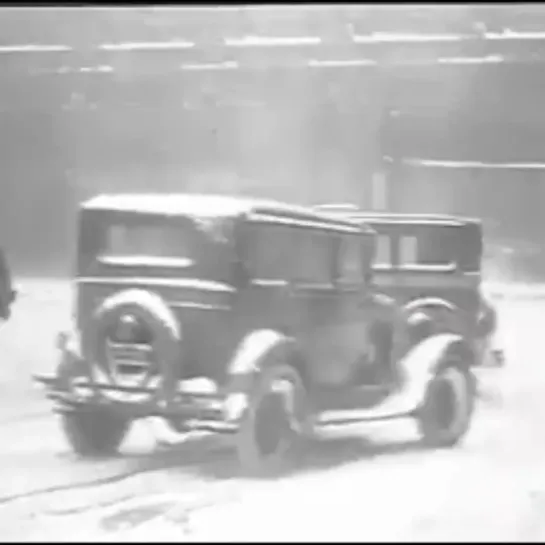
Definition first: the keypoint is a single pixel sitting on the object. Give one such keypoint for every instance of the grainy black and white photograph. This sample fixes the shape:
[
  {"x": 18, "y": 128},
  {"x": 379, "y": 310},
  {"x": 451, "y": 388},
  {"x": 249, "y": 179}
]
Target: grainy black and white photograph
[{"x": 272, "y": 272}]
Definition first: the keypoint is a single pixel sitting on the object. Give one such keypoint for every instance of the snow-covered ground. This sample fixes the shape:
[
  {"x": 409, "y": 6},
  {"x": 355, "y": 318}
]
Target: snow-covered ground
[{"x": 362, "y": 483}]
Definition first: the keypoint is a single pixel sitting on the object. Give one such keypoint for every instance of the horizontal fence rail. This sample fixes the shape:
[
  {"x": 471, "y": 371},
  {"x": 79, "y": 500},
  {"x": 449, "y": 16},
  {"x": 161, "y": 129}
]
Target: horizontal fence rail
[
  {"x": 284, "y": 102},
  {"x": 336, "y": 21},
  {"x": 229, "y": 38}
]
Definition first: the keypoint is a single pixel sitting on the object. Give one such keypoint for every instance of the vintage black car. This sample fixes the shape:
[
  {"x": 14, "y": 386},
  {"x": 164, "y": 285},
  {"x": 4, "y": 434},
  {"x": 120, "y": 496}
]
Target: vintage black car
[
  {"x": 433, "y": 262},
  {"x": 272, "y": 304}
]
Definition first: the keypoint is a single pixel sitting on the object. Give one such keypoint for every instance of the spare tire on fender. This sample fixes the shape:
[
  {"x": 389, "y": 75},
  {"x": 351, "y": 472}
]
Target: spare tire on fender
[{"x": 151, "y": 310}]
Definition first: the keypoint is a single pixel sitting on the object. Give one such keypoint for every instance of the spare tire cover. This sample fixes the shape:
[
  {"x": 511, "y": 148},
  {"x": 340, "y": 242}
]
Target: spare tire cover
[{"x": 165, "y": 330}]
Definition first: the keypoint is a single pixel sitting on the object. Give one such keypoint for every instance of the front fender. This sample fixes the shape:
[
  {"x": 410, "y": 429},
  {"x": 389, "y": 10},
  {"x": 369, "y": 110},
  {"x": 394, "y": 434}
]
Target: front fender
[
  {"x": 427, "y": 302},
  {"x": 487, "y": 323},
  {"x": 422, "y": 361},
  {"x": 440, "y": 322},
  {"x": 250, "y": 356}
]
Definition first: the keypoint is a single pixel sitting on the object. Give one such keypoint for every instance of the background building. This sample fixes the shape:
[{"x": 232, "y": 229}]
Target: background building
[{"x": 411, "y": 109}]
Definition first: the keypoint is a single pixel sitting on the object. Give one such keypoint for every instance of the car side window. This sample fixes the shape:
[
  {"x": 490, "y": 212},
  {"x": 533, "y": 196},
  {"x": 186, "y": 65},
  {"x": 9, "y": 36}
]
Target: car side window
[
  {"x": 312, "y": 260},
  {"x": 351, "y": 260},
  {"x": 270, "y": 255},
  {"x": 428, "y": 248},
  {"x": 383, "y": 251},
  {"x": 437, "y": 247},
  {"x": 408, "y": 250}
]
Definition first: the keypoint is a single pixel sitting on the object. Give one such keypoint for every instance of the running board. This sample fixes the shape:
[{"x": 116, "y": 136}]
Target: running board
[{"x": 393, "y": 407}]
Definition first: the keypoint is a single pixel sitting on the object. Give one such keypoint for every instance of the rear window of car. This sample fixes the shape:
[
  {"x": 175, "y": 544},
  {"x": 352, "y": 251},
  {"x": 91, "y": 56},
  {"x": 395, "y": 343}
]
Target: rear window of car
[{"x": 126, "y": 241}]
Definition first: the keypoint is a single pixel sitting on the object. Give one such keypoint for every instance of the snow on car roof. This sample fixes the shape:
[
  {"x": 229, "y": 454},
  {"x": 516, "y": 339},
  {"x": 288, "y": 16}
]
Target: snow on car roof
[{"x": 206, "y": 206}]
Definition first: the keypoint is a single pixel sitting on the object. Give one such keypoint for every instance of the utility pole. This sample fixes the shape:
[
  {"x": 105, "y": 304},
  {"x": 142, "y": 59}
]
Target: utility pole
[{"x": 386, "y": 175}]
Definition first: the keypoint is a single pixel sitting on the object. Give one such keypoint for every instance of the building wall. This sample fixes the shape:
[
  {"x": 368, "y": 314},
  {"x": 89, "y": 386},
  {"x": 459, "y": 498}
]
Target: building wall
[
  {"x": 301, "y": 135},
  {"x": 489, "y": 113},
  {"x": 484, "y": 117},
  {"x": 68, "y": 136}
]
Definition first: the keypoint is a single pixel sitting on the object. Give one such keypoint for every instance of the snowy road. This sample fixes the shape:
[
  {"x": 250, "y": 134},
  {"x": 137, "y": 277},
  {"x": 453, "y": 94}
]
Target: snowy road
[{"x": 361, "y": 483}]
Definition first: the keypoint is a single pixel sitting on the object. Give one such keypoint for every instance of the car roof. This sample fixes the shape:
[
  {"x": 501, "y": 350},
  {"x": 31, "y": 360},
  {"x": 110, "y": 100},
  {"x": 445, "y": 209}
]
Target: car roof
[
  {"x": 373, "y": 217},
  {"x": 420, "y": 219},
  {"x": 212, "y": 206}
]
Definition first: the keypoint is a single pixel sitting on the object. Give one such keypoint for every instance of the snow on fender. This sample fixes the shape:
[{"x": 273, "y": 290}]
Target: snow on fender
[
  {"x": 421, "y": 363},
  {"x": 247, "y": 360}
]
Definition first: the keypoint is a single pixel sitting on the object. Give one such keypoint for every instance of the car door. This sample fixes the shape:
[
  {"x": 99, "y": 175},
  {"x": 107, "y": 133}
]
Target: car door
[
  {"x": 332, "y": 330},
  {"x": 315, "y": 296},
  {"x": 355, "y": 307},
  {"x": 267, "y": 301}
]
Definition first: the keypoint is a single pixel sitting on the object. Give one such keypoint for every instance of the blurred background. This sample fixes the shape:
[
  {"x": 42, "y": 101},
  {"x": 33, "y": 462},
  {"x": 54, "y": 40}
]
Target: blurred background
[{"x": 414, "y": 109}]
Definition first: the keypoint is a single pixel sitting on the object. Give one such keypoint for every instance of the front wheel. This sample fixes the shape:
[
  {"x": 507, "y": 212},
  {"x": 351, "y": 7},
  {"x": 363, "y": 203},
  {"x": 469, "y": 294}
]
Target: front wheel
[
  {"x": 93, "y": 431},
  {"x": 446, "y": 414},
  {"x": 274, "y": 422}
]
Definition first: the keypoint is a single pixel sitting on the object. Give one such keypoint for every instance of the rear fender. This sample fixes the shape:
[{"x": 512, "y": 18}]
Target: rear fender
[
  {"x": 421, "y": 363},
  {"x": 259, "y": 349}
]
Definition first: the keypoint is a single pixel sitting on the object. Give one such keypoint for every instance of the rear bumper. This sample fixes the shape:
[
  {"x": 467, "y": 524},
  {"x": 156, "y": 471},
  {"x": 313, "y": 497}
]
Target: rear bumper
[{"x": 199, "y": 411}]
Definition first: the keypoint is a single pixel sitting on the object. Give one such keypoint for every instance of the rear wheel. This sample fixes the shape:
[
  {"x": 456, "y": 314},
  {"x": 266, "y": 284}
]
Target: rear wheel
[
  {"x": 93, "y": 431},
  {"x": 446, "y": 414},
  {"x": 275, "y": 421}
]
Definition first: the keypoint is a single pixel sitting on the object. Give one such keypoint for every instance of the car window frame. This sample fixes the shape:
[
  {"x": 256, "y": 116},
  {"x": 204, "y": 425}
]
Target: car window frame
[{"x": 251, "y": 230}]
